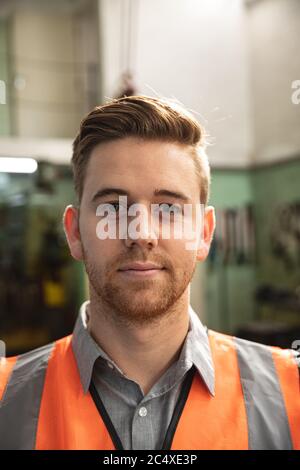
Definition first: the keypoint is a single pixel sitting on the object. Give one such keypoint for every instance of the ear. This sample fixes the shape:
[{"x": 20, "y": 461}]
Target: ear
[
  {"x": 209, "y": 223},
  {"x": 71, "y": 228}
]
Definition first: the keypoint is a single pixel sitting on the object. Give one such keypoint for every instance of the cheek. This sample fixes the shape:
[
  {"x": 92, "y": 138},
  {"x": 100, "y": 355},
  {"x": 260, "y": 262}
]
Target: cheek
[
  {"x": 88, "y": 230},
  {"x": 90, "y": 241},
  {"x": 100, "y": 251},
  {"x": 181, "y": 258},
  {"x": 87, "y": 226},
  {"x": 188, "y": 261}
]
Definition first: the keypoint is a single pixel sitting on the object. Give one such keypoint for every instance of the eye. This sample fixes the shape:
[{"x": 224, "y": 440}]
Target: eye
[
  {"x": 109, "y": 208},
  {"x": 168, "y": 208},
  {"x": 115, "y": 205}
]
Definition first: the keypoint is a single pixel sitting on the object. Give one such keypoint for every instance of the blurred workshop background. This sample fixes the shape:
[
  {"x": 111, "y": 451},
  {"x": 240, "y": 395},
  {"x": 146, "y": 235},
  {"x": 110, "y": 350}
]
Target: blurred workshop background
[{"x": 236, "y": 64}]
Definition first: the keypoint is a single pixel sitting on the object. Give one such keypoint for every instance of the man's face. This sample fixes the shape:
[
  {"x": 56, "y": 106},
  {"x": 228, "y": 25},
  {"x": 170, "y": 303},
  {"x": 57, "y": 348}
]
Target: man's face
[{"x": 139, "y": 168}]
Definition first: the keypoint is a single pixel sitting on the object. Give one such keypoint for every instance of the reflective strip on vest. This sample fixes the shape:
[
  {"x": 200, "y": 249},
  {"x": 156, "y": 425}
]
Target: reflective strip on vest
[
  {"x": 268, "y": 426},
  {"x": 20, "y": 405}
]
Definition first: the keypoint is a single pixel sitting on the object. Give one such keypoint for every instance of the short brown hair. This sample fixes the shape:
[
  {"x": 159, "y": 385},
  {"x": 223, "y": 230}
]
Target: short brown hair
[{"x": 143, "y": 117}]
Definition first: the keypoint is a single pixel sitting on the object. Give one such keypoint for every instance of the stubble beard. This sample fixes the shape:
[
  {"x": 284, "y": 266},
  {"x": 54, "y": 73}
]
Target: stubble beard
[{"x": 136, "y": 303}]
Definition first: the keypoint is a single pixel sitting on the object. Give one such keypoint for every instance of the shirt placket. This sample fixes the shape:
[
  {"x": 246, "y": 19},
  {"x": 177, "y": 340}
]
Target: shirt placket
[{"x": 142, "y": 428}]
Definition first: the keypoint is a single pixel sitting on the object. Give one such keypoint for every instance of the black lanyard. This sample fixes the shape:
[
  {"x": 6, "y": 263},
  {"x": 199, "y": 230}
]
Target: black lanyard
[{"x": 186, "y": 386}]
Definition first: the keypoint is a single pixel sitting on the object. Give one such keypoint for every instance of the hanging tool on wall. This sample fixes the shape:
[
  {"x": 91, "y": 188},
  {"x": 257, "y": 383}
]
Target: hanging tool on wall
[
  {"x": 285, "y": 235},
  {"x": 234, "y": 239}
]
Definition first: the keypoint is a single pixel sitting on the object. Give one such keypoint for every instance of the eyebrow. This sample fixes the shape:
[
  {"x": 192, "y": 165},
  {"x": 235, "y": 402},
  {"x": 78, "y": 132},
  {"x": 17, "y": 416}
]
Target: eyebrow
[{"x": 157, "y": 192}]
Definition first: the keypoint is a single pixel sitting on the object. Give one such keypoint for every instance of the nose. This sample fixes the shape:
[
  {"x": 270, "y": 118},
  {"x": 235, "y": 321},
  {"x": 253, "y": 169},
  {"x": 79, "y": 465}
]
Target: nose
[{"x": 142, "y": 231}]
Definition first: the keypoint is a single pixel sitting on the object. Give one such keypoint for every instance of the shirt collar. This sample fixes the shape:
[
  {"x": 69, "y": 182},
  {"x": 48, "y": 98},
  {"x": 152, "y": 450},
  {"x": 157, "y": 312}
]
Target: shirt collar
[{"x": 196, "y": 348}]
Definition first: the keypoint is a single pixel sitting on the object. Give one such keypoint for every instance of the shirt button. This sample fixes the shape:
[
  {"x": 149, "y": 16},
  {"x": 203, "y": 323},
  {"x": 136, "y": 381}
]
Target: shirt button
[{"x": 143, "y": 411}]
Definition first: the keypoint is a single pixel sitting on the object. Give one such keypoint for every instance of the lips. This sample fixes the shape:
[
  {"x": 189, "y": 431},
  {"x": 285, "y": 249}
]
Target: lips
[
  {"x": 138, "y": 266},
  {"x": 140, "y": 271}
]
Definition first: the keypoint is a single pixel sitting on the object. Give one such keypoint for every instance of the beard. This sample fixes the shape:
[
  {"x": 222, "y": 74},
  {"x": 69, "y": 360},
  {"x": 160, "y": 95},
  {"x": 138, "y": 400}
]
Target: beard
[{"x": 136, "y": 302}]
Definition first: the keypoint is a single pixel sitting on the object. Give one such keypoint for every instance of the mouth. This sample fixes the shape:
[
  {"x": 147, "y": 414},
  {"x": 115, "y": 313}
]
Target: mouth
[
  {"x": 141, "y": 274},
  {"x": 141, "y": 270}
]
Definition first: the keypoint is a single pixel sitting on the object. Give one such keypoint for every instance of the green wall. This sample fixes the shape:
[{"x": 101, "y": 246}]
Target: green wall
[
  {"x": 275, "y": 186},
  {"x": 230, "y": 289}
]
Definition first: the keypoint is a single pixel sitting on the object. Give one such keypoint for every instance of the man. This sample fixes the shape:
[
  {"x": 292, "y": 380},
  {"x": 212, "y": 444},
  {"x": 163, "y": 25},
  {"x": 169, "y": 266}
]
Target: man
[{"x": 140, "y": 371}]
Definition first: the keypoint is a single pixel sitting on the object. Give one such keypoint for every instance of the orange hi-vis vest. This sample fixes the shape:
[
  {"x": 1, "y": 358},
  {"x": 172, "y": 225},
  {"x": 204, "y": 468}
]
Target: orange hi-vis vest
[{"x": 256, "y": 403}]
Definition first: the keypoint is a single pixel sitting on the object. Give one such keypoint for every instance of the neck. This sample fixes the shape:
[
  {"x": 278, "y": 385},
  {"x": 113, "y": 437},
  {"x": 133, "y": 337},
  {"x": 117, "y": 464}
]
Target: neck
[{"x": 143, "y": 353}]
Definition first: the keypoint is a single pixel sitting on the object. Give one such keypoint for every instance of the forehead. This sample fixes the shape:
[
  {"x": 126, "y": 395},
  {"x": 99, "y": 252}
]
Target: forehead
[{"x": 139, "y": 165}]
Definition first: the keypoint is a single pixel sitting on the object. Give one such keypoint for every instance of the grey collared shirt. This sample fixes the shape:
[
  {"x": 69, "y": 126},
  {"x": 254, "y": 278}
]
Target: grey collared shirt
[{"x": 141, "y": 421}]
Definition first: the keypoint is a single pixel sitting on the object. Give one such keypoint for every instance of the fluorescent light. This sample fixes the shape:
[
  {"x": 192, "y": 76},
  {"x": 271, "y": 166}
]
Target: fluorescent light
[{"x": 17, "y": 165}]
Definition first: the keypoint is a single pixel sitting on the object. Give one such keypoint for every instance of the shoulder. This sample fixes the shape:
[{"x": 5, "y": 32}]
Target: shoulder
[
  {"x": 252, "y": 349},
  {"x": 283, "y": 356},
  {"x": 27, "y": 366}
]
